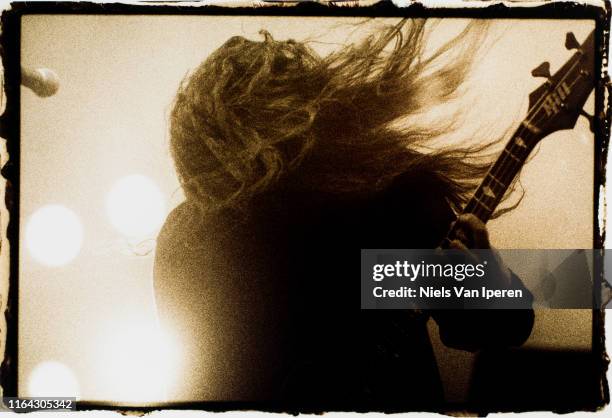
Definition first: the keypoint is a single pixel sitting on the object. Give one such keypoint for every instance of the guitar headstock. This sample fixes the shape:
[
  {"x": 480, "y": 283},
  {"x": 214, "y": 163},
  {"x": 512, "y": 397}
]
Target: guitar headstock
[{"x": 557, "y": 104}]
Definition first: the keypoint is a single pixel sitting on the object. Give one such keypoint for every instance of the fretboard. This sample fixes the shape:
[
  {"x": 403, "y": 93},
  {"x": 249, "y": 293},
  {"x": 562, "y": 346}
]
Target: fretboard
[
  {"x": 500, "y": 176},
  {"x": 554, "y": 106}
]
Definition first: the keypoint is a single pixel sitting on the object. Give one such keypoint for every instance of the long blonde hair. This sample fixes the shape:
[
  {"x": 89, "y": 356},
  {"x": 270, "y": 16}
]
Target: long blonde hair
[{"x": 259, "y": 115}]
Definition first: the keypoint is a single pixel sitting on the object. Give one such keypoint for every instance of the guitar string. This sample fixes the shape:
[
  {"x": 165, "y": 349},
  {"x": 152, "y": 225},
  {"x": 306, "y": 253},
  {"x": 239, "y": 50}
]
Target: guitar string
[
  {"x": 537, "y": 108},
  {"x": 520, "y": 133},
  {"x": 511, "y": 170},
  {"x": 502, "y": 173},
  {"x": 505, "y": 175}
]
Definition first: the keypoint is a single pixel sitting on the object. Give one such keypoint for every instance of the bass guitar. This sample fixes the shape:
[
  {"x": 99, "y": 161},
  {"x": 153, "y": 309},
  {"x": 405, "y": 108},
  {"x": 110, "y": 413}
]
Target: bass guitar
[{"x": 555, "y": 105}]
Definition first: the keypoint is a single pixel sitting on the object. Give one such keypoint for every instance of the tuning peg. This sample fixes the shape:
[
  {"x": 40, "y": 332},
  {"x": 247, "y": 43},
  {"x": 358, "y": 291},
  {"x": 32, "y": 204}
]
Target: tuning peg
[
  {"x": 542, "y": 70},
  {"x": 590, "y": 118},
  {"x": 571, "y": 42}
]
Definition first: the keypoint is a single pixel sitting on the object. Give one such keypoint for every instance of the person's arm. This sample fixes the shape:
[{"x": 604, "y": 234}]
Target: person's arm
[{"x": 473, "y": 330}]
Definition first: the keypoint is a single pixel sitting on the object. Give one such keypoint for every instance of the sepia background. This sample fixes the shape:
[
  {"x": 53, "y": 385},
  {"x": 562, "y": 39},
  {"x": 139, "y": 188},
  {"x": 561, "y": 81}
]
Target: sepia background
[{"x": 97, "y": 182}]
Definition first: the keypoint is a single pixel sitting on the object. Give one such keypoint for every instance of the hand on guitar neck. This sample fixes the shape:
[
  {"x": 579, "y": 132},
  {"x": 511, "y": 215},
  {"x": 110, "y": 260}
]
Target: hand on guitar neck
[
  {"x": 469, "y": 232},
  {"x": 554, "y": 106}
]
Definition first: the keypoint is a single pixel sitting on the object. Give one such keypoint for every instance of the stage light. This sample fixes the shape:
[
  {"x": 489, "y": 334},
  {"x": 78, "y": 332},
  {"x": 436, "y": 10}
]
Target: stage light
[
  {"x": 54, "y": 235},
  {"x": 138, "y": 363},
  {"x": 51, "y": 378},
  {"x": 135, "y": 206}
]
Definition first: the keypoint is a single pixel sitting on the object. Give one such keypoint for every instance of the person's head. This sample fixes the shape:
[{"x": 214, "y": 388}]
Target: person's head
[{"x": 256, "y": 115}]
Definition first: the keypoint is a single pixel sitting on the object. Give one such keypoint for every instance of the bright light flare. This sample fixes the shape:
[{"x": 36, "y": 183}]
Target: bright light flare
[
  {"x": 138, "y": 363},
  {"x": 136, "y": 206},
  {"x": 50, "y": 379},
  {"x": 54, "y": 235}
]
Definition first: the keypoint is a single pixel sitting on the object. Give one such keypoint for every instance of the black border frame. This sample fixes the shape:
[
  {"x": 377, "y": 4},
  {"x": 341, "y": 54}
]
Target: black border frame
[{"x": 10, "y": 43}]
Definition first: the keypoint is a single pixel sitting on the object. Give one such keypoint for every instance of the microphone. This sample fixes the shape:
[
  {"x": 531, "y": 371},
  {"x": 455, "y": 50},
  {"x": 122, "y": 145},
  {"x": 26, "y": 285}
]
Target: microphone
[{"x": 42, "y": 81}]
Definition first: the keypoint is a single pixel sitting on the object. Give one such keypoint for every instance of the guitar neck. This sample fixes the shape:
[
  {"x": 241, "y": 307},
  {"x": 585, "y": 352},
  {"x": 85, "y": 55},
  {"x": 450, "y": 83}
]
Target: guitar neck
[
  {"x": 554, "y": 106},
  {"x": 500, "y": 176}
]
